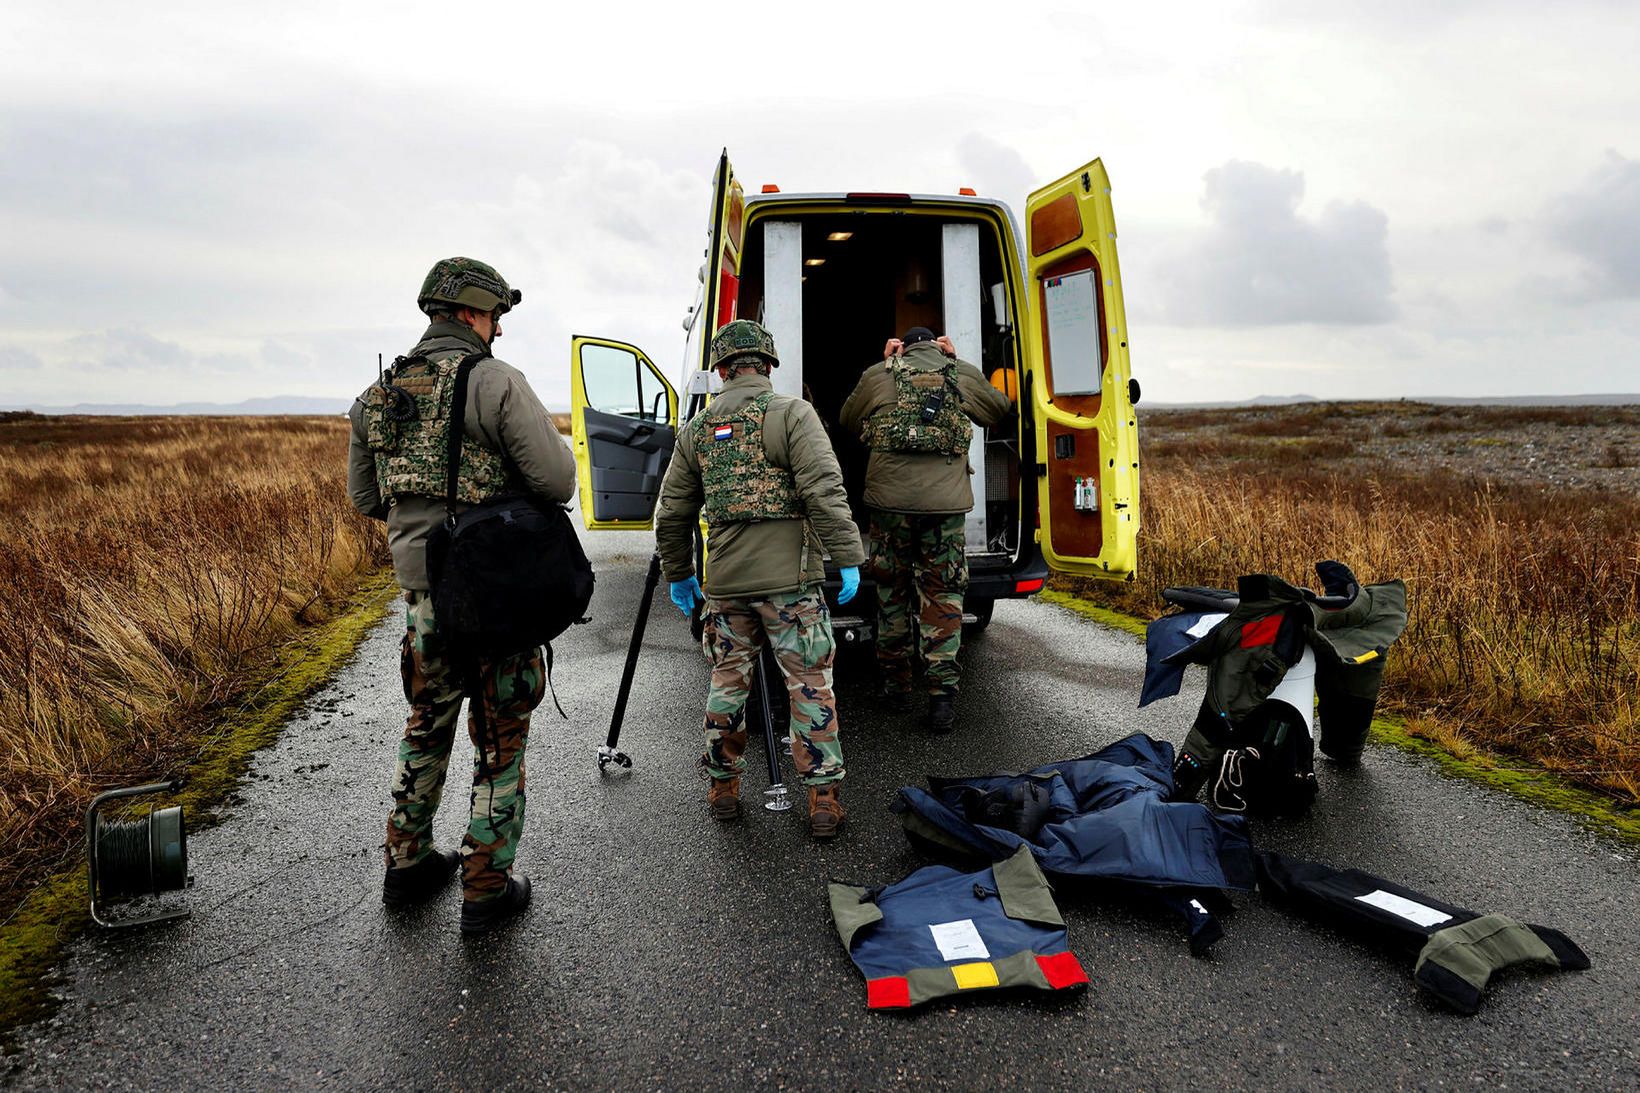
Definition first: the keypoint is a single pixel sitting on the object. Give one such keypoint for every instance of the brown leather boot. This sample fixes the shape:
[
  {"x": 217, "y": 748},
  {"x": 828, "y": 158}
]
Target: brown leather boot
[
  {"x": 826, "y": 813},
  {"x": 724, "y": 799}
]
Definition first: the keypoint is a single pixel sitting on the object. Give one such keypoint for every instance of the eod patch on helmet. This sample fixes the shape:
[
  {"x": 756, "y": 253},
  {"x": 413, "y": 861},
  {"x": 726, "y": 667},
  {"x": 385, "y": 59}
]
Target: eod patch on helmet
[
  {"x": 741, "y": 338},
  {"x": 466, "y": 282}
]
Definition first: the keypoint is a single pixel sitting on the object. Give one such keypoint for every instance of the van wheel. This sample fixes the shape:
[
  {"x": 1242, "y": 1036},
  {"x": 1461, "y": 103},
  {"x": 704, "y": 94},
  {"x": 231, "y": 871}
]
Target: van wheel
[{"x": 981, "y": 610}]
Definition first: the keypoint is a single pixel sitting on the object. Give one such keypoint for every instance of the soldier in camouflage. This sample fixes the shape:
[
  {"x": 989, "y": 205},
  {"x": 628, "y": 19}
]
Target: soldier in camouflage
[
  {"x": 760, "y": 468},
  {"x": 916, "y": 411},
  {"x": 397, "y": 473}
]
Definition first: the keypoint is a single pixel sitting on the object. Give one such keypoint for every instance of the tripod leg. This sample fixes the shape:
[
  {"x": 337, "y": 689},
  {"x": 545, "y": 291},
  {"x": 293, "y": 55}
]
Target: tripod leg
[
  {"x": 608, "y": 753},
  {"x": 777, "y": 801}
]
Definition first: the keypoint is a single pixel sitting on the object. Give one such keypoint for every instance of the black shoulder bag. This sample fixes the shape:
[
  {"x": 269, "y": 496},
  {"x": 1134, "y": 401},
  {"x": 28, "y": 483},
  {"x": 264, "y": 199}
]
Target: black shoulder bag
[{"x": 508, "y": 574}]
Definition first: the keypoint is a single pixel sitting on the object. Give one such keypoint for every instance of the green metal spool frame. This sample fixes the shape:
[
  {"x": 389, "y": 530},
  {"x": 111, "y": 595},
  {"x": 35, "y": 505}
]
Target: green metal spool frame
[{"x": 147, "y": 856}]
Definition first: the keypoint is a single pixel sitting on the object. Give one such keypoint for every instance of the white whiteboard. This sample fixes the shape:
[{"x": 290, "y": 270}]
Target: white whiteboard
[{"x": 1073, "y": 333}]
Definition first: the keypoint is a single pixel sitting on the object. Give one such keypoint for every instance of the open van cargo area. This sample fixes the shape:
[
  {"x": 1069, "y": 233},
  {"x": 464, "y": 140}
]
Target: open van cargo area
[{"x": 834, "y": 286}]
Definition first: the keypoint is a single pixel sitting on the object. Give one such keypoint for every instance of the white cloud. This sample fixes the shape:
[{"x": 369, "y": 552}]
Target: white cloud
[
  {"x": 996, "y": 169},
  {"x": 1599, "y": 223},
  {"x": 15, "y": 358},
  {"x": 264, "y": 191},
  {"x": 1260, "y": 262}
]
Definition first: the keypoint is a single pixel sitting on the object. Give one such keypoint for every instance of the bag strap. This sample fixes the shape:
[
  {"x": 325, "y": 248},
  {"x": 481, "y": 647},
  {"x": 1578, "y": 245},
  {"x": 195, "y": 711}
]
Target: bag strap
[{"x": 458, "y": 419}]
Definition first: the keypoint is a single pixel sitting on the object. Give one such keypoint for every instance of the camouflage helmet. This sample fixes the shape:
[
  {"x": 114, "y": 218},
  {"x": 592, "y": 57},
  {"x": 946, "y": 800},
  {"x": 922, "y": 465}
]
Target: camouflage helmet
[
  {"x": 466, "y": 282},
  {"x": 742, "y": 338}
]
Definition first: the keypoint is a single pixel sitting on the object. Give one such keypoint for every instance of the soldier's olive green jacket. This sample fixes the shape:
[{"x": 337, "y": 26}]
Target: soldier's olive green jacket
[
  {"x": 766, "y": 556},
  {"x": 921, "y": 482},
  {"x": 502, "y": 413}
]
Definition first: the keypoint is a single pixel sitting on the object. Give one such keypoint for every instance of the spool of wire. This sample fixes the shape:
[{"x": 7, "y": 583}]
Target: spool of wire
[{"x": 142, "y": 857}]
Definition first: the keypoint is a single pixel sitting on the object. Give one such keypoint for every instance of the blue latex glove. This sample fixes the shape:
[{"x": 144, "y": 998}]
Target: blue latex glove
[
  {"x": 851, "y": 583},
  {"x": 686, "y": 594}
]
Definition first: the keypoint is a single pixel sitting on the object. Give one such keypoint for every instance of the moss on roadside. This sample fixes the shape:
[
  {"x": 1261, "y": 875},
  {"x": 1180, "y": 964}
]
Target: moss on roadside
[
  {"x": 1535, "y": 784},
  {"x": 1114, "y": 619},
  {"x": 31, "y": 942}
]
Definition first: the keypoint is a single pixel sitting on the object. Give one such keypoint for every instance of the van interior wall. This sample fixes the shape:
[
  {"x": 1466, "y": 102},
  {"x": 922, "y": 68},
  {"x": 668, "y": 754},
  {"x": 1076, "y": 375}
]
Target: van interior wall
[
  {"x": 872, "y": 287},
  {"x": 883, "y": 279}
]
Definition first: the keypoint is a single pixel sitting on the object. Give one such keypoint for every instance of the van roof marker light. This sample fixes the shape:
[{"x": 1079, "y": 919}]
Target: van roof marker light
[
  {"x": 814, "y": 261},
  {"x": 966, "y": 191},
  {"x": 839, "y": 237},
  {"x": 770, "y": 188}
]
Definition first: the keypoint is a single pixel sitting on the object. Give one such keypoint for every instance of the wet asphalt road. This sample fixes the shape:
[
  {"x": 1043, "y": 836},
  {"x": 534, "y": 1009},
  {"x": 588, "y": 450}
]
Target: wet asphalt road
[{"x": 665, "y": 951}]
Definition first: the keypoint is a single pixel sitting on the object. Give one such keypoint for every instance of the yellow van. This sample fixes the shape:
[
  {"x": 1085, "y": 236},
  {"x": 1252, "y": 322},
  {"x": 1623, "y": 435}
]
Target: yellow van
[{"x": 834, "y": 276}]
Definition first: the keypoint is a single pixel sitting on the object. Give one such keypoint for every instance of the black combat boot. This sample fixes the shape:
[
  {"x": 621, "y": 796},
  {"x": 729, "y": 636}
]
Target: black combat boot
[
  {"x": 482, "y": 916},
  {"x": 897, "y": 699},
  {"x": 420, "y": 882},
  {"x": 942, "y": 713}
]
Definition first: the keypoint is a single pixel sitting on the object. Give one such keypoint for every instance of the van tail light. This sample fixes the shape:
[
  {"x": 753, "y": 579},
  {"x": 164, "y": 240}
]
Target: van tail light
[
  {"x": 877, "y": 197},
  {"x": 1025, "y": 588},
  {"x": 770, "y": 188},
  {"x": 728, "y": 297},
  {"x": 966, "y": 191}
]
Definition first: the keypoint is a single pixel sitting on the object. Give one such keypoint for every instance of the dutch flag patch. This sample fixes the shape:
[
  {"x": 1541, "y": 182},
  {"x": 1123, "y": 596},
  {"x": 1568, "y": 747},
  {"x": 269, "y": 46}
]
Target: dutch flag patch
[{"x": 723, "y": 432}]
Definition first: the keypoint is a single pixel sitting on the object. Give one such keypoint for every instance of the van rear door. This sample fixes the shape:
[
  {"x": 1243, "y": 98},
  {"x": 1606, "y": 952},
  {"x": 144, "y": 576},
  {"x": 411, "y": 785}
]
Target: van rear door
[
  {"x": 727, "y": 230},
  {"x": 623, "y": 419},
  {"x": 1076, "y": 376}
]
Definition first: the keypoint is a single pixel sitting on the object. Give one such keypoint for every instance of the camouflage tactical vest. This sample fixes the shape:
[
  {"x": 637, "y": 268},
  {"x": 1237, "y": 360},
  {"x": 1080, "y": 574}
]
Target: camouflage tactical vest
[
  {"x": 901, "y": 428},
  {"x": 739, "y": 482},
  {"x": 411, "y": 454}
]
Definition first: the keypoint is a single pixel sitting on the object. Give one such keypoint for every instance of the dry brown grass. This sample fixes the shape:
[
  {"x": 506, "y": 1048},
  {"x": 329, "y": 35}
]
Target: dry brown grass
[
  {"x": 1525, "y": 601},
  {"x": 149, "y": 568}
]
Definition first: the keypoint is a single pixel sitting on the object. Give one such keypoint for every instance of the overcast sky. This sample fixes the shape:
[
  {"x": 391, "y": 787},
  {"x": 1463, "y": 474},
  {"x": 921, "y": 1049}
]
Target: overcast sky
[{"x": 202, "y": 201}]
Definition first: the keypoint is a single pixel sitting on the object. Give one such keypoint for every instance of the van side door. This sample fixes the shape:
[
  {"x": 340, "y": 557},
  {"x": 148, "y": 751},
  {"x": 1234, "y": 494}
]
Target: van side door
[
  {"x": 1077, "y": 379},
  {"x": 623, "y": 420}
]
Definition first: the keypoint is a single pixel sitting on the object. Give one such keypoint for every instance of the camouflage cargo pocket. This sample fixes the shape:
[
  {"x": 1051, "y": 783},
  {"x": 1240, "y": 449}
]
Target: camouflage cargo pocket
[{"x": 520, "y": 683}]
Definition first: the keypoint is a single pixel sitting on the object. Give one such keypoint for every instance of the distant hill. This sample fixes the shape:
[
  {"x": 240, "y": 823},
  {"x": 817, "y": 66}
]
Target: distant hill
[
  {"x": 1502, "y": 400},
  {"x": 273, "y": 404},
  {"x": 304, "y": 404}
]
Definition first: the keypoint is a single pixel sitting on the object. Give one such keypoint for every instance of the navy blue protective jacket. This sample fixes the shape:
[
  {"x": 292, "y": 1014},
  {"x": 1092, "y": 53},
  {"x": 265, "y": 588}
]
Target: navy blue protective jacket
[
  {"x": 940, "y": 932},
  {"x": 1104, "y": 817}
]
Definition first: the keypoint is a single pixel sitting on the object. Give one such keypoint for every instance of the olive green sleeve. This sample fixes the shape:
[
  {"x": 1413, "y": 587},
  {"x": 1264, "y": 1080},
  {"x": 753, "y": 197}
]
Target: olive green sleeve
[
  {"x": 820, "y": 483},
  {"x": 868, "y": 397},
  {"x": 362, "y": 488},
  {"x": 504, "y": 410},
  {"x": 678, "y": 511},
  {"x": 980, "y": 401}
]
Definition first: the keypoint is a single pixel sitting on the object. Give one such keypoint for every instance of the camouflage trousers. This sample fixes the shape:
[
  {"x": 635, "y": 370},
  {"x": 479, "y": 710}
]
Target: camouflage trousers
[
  {"x": 508, "y": 690},
  {"x": 798, "y": 626},
  {"x": 920, "y": 565}
]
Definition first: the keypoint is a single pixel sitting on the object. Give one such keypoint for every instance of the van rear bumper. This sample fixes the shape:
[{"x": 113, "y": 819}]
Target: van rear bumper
[{"x": 1026, "y": 576}]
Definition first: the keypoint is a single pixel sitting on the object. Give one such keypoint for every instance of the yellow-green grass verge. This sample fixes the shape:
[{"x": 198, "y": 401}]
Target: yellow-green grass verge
[
  {"x": 1113, "y": 619},
  {"x": 32, "y": 940},
  {"x": 1455, "y": 756}
]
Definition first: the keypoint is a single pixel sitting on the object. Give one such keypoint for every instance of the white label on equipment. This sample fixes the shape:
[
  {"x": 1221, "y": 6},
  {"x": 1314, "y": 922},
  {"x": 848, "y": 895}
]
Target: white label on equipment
[
  {"x": 1406, "y": 908},
  {"x": 1206, "y": 623},
  {"x": 959, "y": 940}
]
